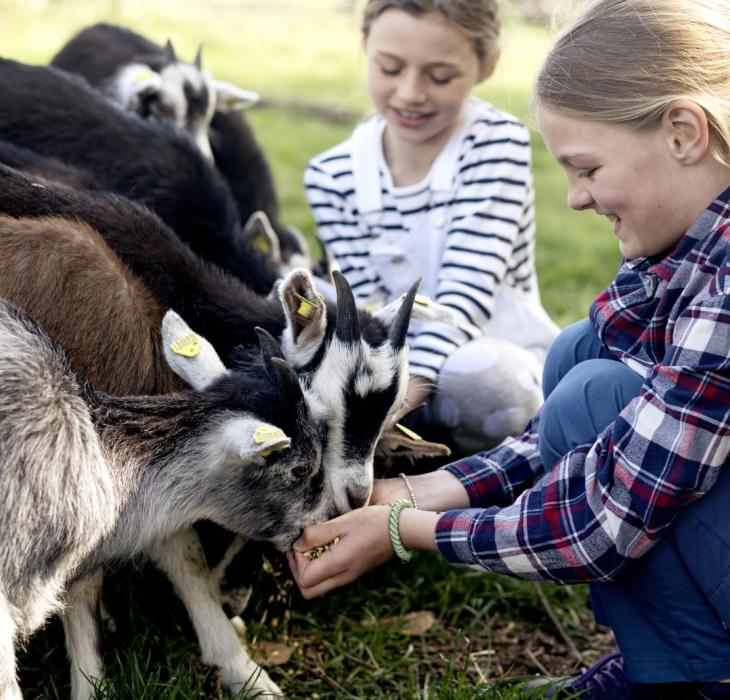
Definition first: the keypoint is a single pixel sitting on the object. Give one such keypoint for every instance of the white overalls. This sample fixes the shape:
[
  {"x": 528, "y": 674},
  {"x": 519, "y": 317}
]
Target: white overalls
[{"x": 490, "y": 386}]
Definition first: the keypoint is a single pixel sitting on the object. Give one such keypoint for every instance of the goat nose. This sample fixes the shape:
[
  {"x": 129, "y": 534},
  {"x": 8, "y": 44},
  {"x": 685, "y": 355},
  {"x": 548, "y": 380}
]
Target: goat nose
[{"x": 356, "y": 499}]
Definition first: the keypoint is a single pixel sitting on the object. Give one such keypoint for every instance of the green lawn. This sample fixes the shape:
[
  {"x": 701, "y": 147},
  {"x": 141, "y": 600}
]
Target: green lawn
[{"x": 349, "y": 644}]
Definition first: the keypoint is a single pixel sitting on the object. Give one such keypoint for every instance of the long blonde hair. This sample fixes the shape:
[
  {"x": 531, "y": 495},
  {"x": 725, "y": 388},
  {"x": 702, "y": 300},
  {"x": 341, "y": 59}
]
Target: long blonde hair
[
  {"x": 478, "y": 20},
  {"x": 624, "y": 61}
]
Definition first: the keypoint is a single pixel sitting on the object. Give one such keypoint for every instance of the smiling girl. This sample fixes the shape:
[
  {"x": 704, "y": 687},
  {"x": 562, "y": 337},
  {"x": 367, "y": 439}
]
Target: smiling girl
[
  {"x": 622, "y": 480},
  {"x": 437, "y": 185}
]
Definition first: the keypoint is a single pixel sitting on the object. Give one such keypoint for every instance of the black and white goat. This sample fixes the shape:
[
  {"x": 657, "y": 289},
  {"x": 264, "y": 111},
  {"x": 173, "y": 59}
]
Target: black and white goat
[
  {"x": 87, "y": 478},
  {"x": 149, "y": 80}
]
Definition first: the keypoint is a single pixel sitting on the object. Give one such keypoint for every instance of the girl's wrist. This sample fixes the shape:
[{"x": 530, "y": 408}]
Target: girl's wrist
[
  {"x": 417, "y": 529},
  {"x": 437, "y": 491}
]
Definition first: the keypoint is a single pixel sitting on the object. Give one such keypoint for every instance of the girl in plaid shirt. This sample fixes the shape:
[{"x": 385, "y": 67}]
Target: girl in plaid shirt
[{"x": 619, "y": 481}]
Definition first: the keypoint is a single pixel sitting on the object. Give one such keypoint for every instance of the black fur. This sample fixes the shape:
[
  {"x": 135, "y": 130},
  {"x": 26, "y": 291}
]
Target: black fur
[{"x": 58, "y": 115}]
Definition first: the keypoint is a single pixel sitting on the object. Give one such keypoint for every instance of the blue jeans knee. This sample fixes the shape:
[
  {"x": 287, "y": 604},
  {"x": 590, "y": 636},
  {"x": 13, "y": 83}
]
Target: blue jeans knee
[
  {"x": 576, "y": 343},
  {"x": 587, "y": 399}
]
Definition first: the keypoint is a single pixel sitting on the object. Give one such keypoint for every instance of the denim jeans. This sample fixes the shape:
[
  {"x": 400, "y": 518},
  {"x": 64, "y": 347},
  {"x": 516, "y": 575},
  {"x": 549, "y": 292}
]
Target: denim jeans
[{"x": 669, "y": 610}]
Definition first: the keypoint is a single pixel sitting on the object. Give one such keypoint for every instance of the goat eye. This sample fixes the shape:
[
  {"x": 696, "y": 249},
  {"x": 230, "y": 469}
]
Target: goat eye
[{"x": 300, "y": 472}]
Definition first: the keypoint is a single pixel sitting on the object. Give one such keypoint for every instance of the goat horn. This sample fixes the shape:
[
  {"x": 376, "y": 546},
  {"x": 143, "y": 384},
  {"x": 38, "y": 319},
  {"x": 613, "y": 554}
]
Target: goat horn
[
  {"x": 270, "y": 348},
  {"x": 347, "y": 328},
  {"x": 170, "y": 56},
  {"x": 287, "y": 380},
  {"x": 399, "y": 328},
  {"x": 198, "y": 60}
]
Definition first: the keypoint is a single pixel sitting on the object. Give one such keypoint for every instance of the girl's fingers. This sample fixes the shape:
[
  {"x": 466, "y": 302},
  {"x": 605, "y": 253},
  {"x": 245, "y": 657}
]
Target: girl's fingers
[
  {"x": 318, "y": 535},
  {"x": 329, "y": 584}
]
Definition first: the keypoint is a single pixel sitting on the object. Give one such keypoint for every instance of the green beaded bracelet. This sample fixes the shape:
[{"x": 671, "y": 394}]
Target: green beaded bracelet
[{"x": 395, "y": 510}]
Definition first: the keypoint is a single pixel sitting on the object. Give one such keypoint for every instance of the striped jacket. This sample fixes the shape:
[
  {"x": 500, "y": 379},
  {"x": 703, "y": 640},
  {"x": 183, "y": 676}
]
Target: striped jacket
[
  {"x": 480, "y": 192},
  {"x": 608, "y": 502}
]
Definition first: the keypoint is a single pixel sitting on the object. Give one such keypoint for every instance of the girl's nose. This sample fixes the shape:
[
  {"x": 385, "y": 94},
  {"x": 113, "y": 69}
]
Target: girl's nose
[
  {"x": 410, "y": 88},
  {"x": 579, "y": 198}
]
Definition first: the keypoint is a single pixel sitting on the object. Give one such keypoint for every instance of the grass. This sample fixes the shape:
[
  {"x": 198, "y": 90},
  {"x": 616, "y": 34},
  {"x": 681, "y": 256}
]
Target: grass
[{"x": 488, "y": 629}]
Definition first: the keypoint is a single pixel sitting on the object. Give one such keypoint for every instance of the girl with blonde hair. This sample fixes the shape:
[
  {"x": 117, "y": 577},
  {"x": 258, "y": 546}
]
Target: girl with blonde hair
[
  {"x": 437, "y": 185},
  {"x": 622, "y": 478}
]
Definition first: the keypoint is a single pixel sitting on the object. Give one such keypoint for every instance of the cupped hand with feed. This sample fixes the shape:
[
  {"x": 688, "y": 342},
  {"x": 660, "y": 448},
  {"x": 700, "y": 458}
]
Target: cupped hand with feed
[{"x": 362, "y": 543}]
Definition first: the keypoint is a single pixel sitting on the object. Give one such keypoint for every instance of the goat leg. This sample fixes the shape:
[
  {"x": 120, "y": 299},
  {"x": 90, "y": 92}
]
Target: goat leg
[
  {"x": 182, "y": 559},
  {"x": 9, "y": 688},
  {"x": 236, "y": 598},
  {"x": 81, "y": 622}
]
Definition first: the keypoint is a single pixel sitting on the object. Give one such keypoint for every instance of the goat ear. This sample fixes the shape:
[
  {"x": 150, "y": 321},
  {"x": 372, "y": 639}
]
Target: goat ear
[
  {"x": 230, "y": 98},
  {"x": 250, "y": 438},
  {"x": 305, "y": 311},
  {"x": 189, "y": 355},
  {"x": 259, "y": 234}
]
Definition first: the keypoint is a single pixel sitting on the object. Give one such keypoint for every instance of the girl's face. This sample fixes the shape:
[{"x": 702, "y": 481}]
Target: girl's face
[
  {"x": 626, "y": 175},
  {"x": 420, "y": 71}
]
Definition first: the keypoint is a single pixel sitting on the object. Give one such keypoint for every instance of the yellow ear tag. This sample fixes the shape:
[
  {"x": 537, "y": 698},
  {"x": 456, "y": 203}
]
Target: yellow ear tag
[
  {"x": 142, "y": 75},
  {"x": 187, "y": 346},
  {"x": 306, "y": 306},
  {"x": 408, "y": 432},
  {"x": 264, "y": 433},
  {"x": 261, "y": 243},
  {"x": 420, "y": 299}
]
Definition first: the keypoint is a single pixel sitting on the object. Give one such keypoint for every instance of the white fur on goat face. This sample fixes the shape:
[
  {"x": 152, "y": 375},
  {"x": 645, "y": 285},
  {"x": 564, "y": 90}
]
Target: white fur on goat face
[
  {"x": 192, "y": 93},
  {"x": 180, "y": 94},
  {"x": 362, "y": 386},
  {"x": 357, "y": 385}
]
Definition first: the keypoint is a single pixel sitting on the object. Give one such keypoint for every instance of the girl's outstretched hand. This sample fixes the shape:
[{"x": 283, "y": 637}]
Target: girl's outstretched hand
[{"x": 362, "y": 545}]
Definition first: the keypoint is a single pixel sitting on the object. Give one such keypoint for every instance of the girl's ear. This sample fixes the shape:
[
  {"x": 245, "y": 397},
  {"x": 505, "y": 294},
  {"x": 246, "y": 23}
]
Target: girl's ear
[
  {"x": 486, "y": 68},
  {"x": 686, "y": 131}
]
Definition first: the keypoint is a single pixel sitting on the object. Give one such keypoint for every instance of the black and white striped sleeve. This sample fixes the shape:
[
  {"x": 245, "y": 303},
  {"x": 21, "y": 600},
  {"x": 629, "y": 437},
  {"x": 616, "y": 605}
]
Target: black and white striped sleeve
[
  {"x": 492, "y": 221},
  {"x": 330, "y": 192}
]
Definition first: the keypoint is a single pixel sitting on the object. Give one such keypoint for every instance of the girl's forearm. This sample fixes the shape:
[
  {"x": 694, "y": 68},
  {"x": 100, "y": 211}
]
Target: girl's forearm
[
  {"x": 439, "y": 491},
  {"x": 418, "y": 529}
]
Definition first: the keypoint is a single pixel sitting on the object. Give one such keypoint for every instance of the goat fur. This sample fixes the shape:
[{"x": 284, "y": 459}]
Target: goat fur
[
  {"x": 57, "y": 115},
  {"x": 87, "y": 478}
]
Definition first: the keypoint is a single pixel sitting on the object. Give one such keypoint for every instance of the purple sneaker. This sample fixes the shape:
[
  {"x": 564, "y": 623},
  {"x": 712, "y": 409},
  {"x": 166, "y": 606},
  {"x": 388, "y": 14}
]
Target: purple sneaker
[{"x": 607, "y": 680}]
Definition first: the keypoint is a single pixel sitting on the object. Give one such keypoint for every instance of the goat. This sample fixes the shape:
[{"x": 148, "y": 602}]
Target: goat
[
  {"x": 83, "y": 285},
  {"x": 141, "y": 159},
  {"x": 149, "y": 80},
  {"x": 88, "y": 478}
]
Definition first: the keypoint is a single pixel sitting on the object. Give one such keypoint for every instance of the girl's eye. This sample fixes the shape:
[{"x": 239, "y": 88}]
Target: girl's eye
[
  {"x": 389, "y": 71},
  {"x": 442, "y": 79},
  {"x": 588, "y": 173}
]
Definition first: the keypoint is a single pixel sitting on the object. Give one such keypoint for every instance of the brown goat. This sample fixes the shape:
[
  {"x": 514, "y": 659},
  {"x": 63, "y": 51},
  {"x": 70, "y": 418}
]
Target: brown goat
[{"x": 64, "y": 275}]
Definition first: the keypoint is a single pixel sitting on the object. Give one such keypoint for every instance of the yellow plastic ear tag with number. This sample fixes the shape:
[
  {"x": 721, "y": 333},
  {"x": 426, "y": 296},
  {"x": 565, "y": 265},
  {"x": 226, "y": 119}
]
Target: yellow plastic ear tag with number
[
  {"x": 408, "y": 432},
  {"x": 187, "y": 346},
  {"x": 142, "y": 75},
  {"x": 264, "y": 433},
  {"x": 306, "y": 306}
]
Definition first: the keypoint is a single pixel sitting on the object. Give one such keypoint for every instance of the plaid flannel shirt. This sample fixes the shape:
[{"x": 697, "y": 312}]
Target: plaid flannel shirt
[{"x": 606, "y": 503}]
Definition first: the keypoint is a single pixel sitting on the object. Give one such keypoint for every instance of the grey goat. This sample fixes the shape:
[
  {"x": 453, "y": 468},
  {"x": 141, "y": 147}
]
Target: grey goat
[{"x": 87, "y": 479}]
